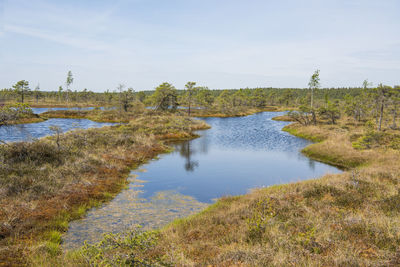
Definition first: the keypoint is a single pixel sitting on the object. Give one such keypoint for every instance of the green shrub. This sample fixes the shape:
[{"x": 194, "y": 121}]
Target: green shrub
[
  {"x": 131, "y": 246},
  {"x": 53, "y": 249},
  {"x": 54, "y": 237},
  {"x": 262, "y": 212}
]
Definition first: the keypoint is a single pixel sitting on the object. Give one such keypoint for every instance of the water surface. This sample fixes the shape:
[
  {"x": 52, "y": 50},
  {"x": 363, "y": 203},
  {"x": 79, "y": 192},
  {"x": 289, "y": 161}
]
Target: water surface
[
  {"x": 41, "y": 110},
  {"x": 234, "y": 156},
  {"x": 30, "y": 131}
]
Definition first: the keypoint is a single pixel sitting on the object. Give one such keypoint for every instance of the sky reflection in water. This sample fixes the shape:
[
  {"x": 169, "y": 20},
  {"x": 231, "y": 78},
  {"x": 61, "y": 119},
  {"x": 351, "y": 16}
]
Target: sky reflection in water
[
  {"x": 30, "y": 131},
  {"x": 235, "y": 155}
]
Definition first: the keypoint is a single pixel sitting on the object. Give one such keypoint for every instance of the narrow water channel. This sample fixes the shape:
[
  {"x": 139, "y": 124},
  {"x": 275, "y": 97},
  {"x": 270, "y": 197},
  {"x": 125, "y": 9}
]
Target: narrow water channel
[
  {"x": 30, "y": 131},
  {"x": 41, "y": 110},
  {"x": 234, "y": 156}
]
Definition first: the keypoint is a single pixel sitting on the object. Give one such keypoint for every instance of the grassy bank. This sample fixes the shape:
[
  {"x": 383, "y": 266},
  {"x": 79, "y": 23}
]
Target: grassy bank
[
  {"x": 31, "y": 119},
  {"x": 117, "y": 116},
  {"x": 49, "y": 182},
  {"x": 17, "y": 114},
  {"x": 235, "y": 112},
  {"x": 99, "y": 115},
  {"x": 63, "y": 105},
  {"x": 334, "y": 144},
  {"x": 347, "y": 219},
  {"x": 54, "y": 104},
  {"x": 94, "y": 115},
  {"x": 283, "y": 118}
]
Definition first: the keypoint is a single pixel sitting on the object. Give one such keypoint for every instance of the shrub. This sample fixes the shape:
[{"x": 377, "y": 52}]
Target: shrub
[
  {"x": 130, "y": 246},
  {"x": 13, "y": 112},
  {"x": 37, "y": 153},
  {"x": 262, "y": 212}
]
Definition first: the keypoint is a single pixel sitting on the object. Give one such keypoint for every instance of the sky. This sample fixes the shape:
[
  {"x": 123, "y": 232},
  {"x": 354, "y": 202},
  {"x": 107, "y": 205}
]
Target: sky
[{"x": 216, "y": 43}]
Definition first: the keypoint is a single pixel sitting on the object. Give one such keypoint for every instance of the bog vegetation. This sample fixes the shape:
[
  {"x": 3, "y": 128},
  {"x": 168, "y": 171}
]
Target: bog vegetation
[
  {"x": 348, "y": 219},
  {"x": 17, "y": 113},
  {"x": 380, "y": 102},
  {"x": 48, "y": 182}
]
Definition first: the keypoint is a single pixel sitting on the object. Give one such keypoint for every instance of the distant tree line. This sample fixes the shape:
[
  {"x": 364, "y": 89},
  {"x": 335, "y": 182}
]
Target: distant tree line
[{"x": 380, "y": 103}]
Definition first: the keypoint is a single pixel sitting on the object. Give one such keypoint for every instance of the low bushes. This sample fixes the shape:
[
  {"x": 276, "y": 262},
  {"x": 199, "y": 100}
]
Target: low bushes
[
  {"x": 347, "y": 219},
  {"x": 17, "y": 113},
  {"x": 44, "y": 184}
]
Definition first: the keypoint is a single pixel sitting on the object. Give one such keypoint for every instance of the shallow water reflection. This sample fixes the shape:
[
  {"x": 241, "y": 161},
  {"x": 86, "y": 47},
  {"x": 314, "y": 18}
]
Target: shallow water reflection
[
  {"x": 235, "y": 155},
  {"x": 129, "y": 209}
]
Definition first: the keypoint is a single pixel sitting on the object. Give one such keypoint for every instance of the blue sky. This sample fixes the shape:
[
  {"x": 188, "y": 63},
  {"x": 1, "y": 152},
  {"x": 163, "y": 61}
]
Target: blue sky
[{"x": 217, "y": 43}]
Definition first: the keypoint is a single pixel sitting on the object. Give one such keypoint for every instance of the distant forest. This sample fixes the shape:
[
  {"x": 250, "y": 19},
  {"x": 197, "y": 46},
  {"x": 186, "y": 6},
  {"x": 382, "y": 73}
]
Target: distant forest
[
  {"x": 202, "y": 96},
  {"x": 379, "y": 103}
]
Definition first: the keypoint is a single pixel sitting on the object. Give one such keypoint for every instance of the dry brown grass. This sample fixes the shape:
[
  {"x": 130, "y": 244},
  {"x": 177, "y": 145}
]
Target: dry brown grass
[
  {"x": 33, "y": 119},
  {"x": 234, "y": 112},
  {"x": 96, "y": 115},
  {"x": 347, "y": 219},
  {"x": 283, "y": 118},
  {"x": 44, "y": 186},
  {"x": 334, "y": 144}
]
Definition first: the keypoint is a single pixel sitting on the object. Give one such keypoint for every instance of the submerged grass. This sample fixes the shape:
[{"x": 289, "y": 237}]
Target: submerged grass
[
  {"x": 45, "y": 184},
  {"x": 347, "y": 219}
]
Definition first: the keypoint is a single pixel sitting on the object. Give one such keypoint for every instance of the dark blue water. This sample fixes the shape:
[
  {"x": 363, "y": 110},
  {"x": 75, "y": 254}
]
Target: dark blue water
[
  {"x": 234, "y": 156},
  {"x": 30, "y": 131}
]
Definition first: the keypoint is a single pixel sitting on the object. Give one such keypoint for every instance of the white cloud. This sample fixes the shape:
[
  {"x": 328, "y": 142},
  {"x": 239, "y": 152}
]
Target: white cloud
[
  {"x": 58, "y": 38},
  {"x": 146, "y": 42}
]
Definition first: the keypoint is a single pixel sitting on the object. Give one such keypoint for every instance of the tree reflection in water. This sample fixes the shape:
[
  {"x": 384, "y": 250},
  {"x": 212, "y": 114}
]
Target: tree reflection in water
[{"x": 186, "y": 151}]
